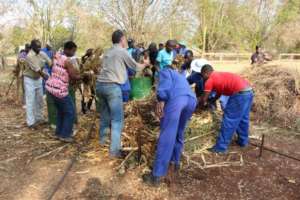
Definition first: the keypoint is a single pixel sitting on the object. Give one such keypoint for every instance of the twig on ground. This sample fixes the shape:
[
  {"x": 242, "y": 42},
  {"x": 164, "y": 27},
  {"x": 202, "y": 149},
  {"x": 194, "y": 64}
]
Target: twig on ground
[
  {"x": 125, "y": 160},
  {"x": 197, "y": 137},
  {"x": 50, "y": 152}
]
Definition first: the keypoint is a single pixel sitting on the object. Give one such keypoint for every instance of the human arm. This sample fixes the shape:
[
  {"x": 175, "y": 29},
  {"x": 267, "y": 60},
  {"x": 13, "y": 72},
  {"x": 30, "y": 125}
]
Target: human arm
[
  {"x": 164, "y": 85},
  {"x": 73, "y": 73},
  {"x": 159, "y": 109},
  {"x": 163, "y": 89},
  {"x": 208, "y": 88},
  {"x": 131, "y": 63},
  {"x": 46, "y": 58}
]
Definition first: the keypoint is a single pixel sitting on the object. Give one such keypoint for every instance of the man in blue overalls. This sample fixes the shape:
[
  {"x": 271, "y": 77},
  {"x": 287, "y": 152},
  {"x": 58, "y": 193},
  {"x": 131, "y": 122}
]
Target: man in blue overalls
[{"x": 176, "y": 104}]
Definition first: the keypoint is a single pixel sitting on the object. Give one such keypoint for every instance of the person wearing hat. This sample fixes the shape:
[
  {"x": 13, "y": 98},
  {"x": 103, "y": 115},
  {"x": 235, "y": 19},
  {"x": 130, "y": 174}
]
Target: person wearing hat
[{"x": 182, "y": 48}]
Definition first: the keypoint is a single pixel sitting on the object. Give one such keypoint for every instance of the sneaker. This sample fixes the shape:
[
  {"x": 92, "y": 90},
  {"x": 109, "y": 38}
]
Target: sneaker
[
  {"x": 151, "y": 180},
  {"x": 66, "y": 140},
  {"x": 33, "y": 127},
  {"x": 75, "y": 131}
]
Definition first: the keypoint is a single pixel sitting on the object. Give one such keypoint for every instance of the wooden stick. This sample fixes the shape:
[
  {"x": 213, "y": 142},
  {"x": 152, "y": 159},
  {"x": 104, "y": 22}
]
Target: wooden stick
[
  {"x": 9, "y": 87},
  {"x": 196, "y": 137},
  {"x": 50, "y": 152},
  {"x": 125, "y": 160}
]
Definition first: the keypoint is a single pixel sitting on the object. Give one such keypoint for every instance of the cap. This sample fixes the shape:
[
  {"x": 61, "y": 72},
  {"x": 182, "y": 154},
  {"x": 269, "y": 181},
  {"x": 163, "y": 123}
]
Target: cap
[
  {"x": 197, "y": 64},
  {"x": 183, "y": 43}
]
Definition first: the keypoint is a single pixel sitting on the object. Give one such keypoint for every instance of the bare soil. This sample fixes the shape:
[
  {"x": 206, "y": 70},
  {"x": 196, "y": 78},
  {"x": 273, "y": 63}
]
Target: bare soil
[{"x": 31, "y": 163}]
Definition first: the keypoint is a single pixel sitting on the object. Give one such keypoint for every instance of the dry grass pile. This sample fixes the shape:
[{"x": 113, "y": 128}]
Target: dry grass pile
[
  {"x": 142, "y": 130},
  {"x": 277, "y": 95}
]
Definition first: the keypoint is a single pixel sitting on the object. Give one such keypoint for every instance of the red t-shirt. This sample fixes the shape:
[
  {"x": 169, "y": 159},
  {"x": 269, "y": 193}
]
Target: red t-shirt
[{"x": 225, "y": 83}]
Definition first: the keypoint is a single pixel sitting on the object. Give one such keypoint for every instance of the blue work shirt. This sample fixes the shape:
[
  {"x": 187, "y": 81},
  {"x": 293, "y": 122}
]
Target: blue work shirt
[
  {"x": 50, "y": 55},
  {"x": 182, "y": 51},
  {"x": 172, "y": 84},
  {"x": 164, "y": 58},
  {"x": 196, "y": 78}
]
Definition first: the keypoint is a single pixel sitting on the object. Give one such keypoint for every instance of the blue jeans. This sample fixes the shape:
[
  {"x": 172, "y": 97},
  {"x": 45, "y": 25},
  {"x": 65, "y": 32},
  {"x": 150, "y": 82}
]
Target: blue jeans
[
  {"x": 65, "y": 116},
  {"x": 236, "y": 118},
  {"x": 112, "y": 114}
]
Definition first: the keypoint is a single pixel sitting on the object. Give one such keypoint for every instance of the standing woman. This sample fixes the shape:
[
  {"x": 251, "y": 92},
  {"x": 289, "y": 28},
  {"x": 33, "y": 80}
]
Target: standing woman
[{"x": 57, "y": 86}]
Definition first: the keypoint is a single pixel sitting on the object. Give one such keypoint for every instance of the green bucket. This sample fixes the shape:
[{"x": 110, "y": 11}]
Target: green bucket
[{"x": 140, "y": 87}]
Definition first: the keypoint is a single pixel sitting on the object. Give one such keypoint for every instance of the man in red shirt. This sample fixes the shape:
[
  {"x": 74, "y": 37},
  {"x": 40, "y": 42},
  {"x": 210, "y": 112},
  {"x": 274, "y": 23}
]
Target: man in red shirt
[{"x": 236, "y": 113}]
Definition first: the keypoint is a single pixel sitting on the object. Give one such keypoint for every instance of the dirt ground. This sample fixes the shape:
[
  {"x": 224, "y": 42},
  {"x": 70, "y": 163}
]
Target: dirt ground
[{"x": 31, "y": 163}]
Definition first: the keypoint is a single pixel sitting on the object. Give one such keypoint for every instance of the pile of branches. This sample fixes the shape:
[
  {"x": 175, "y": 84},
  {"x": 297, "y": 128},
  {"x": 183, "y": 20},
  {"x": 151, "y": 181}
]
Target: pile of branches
[
  {"x": 277, "y": 95},
  {"x": 141, "y": 131}
]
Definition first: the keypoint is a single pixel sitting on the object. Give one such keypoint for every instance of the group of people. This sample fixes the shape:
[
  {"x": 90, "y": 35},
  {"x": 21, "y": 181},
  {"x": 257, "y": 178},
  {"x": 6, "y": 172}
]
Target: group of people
[{"x": 176, "y": 101}]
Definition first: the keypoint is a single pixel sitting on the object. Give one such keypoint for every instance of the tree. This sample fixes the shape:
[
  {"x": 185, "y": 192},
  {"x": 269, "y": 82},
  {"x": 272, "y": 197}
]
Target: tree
[{"x": 144, "y": 20}]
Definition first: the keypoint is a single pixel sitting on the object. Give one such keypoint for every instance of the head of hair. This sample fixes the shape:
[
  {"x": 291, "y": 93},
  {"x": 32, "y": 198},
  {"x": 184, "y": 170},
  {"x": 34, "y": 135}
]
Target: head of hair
[
  {"x": 207, "y": 68},
  {"x": 172, "y": 43},
  {"x": 34, "y": 43},
  {"x": 117, "y": 36},
  {"x": 257, "y": 47},
  {"x": 188, "y": 53},
  {"x": 152, "y": 46},
  {"x": 27, "y": 46},
  {"x": 70, "y": 45}
]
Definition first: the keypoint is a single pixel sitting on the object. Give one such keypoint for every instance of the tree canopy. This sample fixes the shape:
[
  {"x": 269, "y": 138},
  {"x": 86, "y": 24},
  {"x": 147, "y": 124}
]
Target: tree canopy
[{"x": 210, "y": 25}]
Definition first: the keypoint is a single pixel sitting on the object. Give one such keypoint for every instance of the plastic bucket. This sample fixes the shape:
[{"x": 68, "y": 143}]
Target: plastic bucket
[{"x": 140, "y": 87}]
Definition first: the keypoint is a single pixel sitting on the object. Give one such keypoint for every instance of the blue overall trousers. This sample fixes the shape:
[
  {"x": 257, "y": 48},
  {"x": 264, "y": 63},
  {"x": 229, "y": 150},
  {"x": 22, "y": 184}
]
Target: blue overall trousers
[
  {"x": 236, "y": 118},
  {"x": 180, "y": 103}
]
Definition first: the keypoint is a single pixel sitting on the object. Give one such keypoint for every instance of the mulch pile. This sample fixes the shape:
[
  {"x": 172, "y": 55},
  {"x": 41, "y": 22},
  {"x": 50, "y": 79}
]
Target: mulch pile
[
  {"x": 277, "y": 95},
  {"x": 141, "y": 131}
]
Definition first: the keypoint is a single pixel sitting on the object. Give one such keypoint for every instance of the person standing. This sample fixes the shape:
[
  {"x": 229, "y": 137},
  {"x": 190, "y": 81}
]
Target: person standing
[
  {"x": 19, "y": 70},
  {"x": 236, "y": 117},
  {"x": 259, "y": 57},
  {"x": 152, "y": 52},
  {"x": 182, "y": 49},
  {"x": 165, "y": 56},
  {"x": 57, "y": 86},
  {"x": 135, "y": 54},
  {"x": 33, "y": 73},
  {"x": 113, "y": 73},
  {"x": 161, "y": 46},
  {"x": 176, "y": 104}
]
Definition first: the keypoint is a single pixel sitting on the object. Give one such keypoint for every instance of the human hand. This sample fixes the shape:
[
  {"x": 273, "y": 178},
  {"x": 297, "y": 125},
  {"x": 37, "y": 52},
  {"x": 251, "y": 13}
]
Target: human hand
[{"x": 159, "y": 110}]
